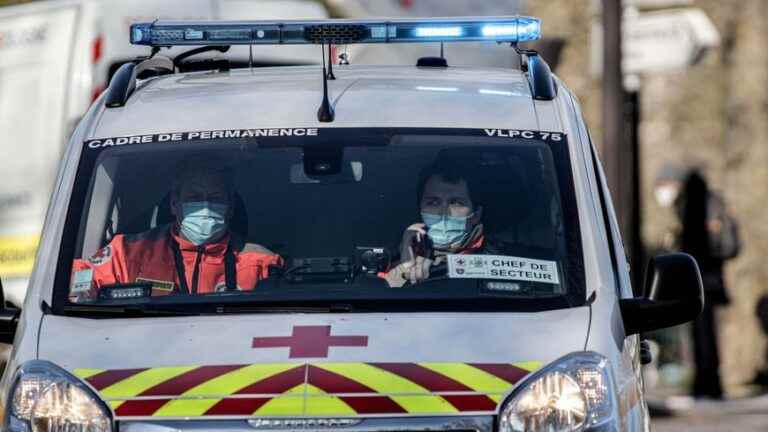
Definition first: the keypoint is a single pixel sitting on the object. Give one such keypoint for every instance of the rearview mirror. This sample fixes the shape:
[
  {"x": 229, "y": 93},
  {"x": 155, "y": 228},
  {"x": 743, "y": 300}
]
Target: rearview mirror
[
  {"x": 9, "y": 319},
  {"x": 672, "y": 294}
]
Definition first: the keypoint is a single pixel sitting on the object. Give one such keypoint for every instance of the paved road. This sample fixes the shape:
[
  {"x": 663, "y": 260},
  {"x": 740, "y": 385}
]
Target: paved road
[
  {"x": 746, "y": 415},
  {"x": 727, "y": 423}
]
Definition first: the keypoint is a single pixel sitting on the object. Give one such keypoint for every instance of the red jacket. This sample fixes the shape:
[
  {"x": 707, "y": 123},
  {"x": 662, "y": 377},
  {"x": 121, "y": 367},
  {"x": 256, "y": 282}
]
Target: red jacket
[{"x": 149, "y": 257}]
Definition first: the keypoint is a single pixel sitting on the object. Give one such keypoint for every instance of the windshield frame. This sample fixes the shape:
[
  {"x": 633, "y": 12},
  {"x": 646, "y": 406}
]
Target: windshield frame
[{"x": 77, "y": 215}]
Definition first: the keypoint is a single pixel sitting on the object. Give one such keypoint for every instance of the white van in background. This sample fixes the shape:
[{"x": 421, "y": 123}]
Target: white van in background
[{"x": 55, "y": 58}]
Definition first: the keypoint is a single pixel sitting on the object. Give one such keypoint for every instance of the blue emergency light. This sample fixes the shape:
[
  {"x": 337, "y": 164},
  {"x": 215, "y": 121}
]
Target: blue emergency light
[{"x": 338, "y": 32}]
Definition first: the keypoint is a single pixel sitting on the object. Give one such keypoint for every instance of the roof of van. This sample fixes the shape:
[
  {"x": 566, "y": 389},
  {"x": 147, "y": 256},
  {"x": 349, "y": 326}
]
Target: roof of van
[{"x": 363, "y": 96}]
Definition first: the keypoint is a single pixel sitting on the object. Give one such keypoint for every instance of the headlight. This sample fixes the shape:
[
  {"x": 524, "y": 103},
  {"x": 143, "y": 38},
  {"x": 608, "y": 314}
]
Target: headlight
[
  {"x": 575, "y": 393},
  {"x": 45, "y": 398}
]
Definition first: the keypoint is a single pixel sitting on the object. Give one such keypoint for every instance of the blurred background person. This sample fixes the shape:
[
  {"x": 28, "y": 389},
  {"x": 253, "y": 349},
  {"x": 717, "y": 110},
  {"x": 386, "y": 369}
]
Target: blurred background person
[
  {"x": 761, "y": 376},
  {"x": 710, "y": 234}
]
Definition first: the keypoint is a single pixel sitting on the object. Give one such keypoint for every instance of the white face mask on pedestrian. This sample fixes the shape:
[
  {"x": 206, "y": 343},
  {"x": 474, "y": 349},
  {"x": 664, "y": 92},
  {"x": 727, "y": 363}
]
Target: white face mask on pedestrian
[{"x": 666, "y": 194}]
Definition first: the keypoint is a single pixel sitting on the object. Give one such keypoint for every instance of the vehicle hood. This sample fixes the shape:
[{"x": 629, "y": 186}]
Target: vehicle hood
[{"x": 309, "y": 364}]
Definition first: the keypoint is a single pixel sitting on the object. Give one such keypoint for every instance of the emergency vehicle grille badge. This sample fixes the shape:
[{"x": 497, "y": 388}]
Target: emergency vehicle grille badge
[
  {"x": 313, "y": 423},
  {"x": 309, "y": 341}
]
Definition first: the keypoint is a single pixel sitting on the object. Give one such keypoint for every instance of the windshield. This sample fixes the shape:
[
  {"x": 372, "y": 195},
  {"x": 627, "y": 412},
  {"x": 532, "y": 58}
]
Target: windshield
[{"x": 356, "y": 219}]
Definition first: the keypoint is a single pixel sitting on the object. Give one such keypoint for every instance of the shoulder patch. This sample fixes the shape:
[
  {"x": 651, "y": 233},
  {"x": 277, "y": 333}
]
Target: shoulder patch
[
  {"x": 103, "y": 256},
  {"x": 256, "y": 248}
]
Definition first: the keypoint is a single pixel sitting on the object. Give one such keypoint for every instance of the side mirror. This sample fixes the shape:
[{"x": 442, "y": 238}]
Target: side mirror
[
  {"x": 673, "y": 294},
  {"x": 9, "y": 319}
]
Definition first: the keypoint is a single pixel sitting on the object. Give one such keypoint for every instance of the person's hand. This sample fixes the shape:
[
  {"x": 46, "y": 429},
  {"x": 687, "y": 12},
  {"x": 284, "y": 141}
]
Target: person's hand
[
  {"x": 416, "y": 270},
  {"x": 414, "y": 254},
  {"x": 413, "y": 271},
  {"x": 420, "y": 269},
  {"x": 414, "y": 243},
  {"x": 413, "y": 263}
]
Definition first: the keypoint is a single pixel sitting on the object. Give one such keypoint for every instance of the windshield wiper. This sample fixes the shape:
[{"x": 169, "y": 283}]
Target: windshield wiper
[
  {"x": 196, "y": 309},
  {"x": 130, "y": 311},
  {"x": 276, "y": 309}
]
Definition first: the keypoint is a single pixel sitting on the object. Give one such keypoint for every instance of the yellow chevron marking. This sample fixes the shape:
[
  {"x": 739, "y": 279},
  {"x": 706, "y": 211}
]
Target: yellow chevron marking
[
  {"x": 321, "y": 403},
  {"x": 304, "y": 398},
  {"x": 529, "y": 366},
  {"x": 290, "y": 403},
  {"x": 231, "y": 382},
  {"x": 143, "y": 381},
  {"x": 86, "y": 373},
  {"x": 476, "y": 379},
  {"x": 389, "y": 384},
  {"x": 224, "y": 385},
  {"x": 185, "y": 408}
]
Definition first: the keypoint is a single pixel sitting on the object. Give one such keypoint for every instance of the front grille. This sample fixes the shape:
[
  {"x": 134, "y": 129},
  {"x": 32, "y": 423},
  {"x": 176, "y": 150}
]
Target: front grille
[
  {"x": 454, "y": 423},
  {"x": 335, "y": 33}
]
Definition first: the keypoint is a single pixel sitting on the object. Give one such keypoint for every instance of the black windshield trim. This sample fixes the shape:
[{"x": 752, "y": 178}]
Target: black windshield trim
[
  {"x": 168, "y": 306},
  {"x": 574, "y": 266}
]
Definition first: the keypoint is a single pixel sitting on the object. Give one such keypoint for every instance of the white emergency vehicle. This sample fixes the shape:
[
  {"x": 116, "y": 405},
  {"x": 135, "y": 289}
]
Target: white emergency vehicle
[
  {"x": 410, "y": 248},
  {"x": 56, "y": 56}
]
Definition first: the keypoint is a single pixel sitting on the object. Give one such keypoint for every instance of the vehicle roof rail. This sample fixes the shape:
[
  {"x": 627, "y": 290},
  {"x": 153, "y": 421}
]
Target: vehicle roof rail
[
  {"x": 123, "y": 82},
  {"x": 543, "y": 86},
  {"x": 179, "y": 59}
]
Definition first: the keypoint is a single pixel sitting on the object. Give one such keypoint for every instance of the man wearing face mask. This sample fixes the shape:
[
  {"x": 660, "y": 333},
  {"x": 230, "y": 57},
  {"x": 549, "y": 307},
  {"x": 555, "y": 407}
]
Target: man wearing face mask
[
  {"x": 195, "y": 254},
  {"x": 451, "y": 224}
]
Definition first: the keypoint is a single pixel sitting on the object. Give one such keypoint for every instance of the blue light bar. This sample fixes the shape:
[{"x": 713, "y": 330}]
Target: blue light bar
[
  {"x": 431, "y": 32},
  {"x": 337, "y": 32}
]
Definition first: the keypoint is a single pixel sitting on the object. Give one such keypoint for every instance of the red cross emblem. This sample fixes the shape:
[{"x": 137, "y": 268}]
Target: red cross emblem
[{"x": 309, "y": 341}]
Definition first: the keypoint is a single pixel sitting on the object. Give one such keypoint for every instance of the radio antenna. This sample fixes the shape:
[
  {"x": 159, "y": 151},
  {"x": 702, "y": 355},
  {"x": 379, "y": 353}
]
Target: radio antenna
[
  {"x": 331, "y": 76},
  {"x": 325, "y": 113}
]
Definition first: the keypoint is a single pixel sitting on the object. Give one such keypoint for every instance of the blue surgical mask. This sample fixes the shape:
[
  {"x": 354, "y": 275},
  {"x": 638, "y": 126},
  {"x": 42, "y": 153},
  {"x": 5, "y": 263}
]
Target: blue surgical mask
[
  {"x": 203, "y": 221},
  {"x": 445, "y": 230}
]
